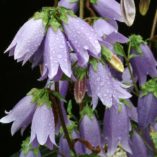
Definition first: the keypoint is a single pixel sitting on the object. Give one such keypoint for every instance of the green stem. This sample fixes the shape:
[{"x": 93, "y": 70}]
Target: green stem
[
  {"x": 88, "y": 6},
  {"x": 60, "y": 112},
  {"x": 81, "y": 12},
  {"x": 55, "y": 3},
  {"x": 154, "y": 25},
  {"x": 130, "y": 71}
]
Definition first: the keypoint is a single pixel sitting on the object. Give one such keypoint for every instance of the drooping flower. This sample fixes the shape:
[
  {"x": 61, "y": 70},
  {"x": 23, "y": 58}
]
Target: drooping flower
[
  {"x": 56, "y": 55},
  {"x": 43, "y": 126},
  {"x": 64, "y": 147},
  {"x": 147, "y": 110},
  {"x": 90, "y": 131},
  {"x": 21, "y": 115},
  {"x": 109, "y": 9},
  {"x": 144, "y": 64},
  {"x": 116, "y": 128},
  {"x": 138, "y": 147},
  {"x": 105, "y": 87},
  {"x": 69, "y": 4},
  {"x": 27, "y": 40},
  {"x": 82, "y": 38},
  {"x": 108, "y": 32}
]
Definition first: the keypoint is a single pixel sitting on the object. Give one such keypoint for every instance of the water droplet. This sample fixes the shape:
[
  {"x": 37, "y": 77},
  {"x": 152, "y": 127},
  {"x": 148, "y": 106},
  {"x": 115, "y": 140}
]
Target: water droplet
[
  {"x": 86, "y": 47},
  {"x": 59, "y": 56}
]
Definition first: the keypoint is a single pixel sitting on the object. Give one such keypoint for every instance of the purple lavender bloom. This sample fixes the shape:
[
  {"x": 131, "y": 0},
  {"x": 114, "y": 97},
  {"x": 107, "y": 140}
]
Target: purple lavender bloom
[
  {"x": 108, "y": 32},
  {"x": 43, "y": 127},
  {"x": 137, "y": 146},
  {"x": 30, "y": 154},
  {"x": 21, "y": 115},
  {"x": 116, "y": 128},
  {"x": 69, "y": 4},
  {"x": 82, "y": 38},
  {"x": 109, "y": 9},
  {"x": 56, "y": 55},
  {"x": 90, "y": 131},
  {"x": 27, "y": 40},
  {"x": 147, "y": 110},
  {"x": 105, "y": 87},
  {"x": 144, "y": 64}
]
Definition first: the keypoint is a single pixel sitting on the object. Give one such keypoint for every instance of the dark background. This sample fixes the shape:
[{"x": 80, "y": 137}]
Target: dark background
[{"x": 15, "y": 80}]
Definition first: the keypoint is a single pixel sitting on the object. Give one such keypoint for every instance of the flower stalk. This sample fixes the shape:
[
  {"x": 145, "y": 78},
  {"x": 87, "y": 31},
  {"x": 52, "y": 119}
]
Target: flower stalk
[{"x": 81, "y": 11}]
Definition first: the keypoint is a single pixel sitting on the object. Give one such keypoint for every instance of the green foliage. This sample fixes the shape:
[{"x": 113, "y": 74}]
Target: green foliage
[
  {"x": 150, "y": 87},
  {"x": 80, "y": 73},
  {"x": 93, "y": 1},
  {"x": 106, "y": 53},
  {"x": 87, "y": 110},
  {"x": 118, "y": 48},
  {"x": 54, "y": 23},
  {"x": 135, "y": 42},
  {"x": 40, "y": 96},
  {"x": 153, "y": 135},
  {"x": 73, "y": 1},
  {"x": 94, "y": 63}
]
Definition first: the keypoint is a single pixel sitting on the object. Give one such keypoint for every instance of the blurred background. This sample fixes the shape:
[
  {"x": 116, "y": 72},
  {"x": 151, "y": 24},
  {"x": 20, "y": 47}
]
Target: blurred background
[{"x": 15, "y": 80}]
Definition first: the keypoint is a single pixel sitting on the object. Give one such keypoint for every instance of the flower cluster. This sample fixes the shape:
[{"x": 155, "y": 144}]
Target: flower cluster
[{"x": 86, "y": 57}]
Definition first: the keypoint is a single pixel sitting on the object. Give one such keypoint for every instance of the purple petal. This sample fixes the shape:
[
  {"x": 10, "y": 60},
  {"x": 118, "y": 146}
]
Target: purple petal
[
  {"x": 56, "y": 54},
  {"x": 116, "y": 128},
  {"x": 147, "y": 110},
  {"x": 43, "y": 126},
  {"x": 21, "y": 115},
  {"x": 90, "y": 131},
  {"x": 104, "y": 86},
  {"x": 82, "y": 38},
  {"x": 30, "y": 39},
  {"x": 109, "y": 8},
  {"x": 69, "y": 4},
  {"x": 137, "y": 146}
]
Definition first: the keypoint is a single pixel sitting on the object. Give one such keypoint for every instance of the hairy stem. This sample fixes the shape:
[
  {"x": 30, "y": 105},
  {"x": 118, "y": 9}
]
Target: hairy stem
[
  {"x": 154, "y": 25},
  {"x": 60, "y": 112},
  {"x": 81, "y": 11},
  {"x": 88, "y": 6},
  {"x": 55, "y": 3},
  {"x": 131, "y": 73}
]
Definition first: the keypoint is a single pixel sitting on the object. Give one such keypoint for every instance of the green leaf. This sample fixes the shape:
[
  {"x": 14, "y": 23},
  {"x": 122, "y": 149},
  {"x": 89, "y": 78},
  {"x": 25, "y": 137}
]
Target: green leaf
[
  {"x": 153, "y": 135},
  {"x": 87, "y": 110},
  {"x": 40, "y": 96},
  {"x": 80, "y": 73},
  {"x": 69, "y": 108},
  {"x": 118, "y": 48},
  {"x": 106, "y": 53},
  {"x": 94, "y": 63},
  {"x": 93, "y": 1},
  {"x": 150, "y": 87},
  {"x": 58, "y": 96},
  {"x": 54, "y": 24},
  {"x": 26, "y": 147},
  {"x": 135, "y": 42}
]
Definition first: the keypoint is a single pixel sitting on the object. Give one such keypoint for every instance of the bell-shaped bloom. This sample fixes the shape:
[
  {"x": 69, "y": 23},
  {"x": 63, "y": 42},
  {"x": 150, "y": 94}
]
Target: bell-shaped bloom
[
  {"x": 90, "y": 131},
  {"x": 144, "y": 64},
  {"x": 30, "y": 154},
  {"x": 137, "y": 146},
  {"x": 109, "y": 9},
  {"x": 132, "y": 111},
  {"x": 116, "y": 128},
  {"x": 27, "y": 40},
  {"x": 69, "y": 4},
  {"x": 82, "y": 38},
  {"x": 108, "y": 32},
  {"x": 64, "y": 147},
  {"x": 56, "y": 55},
  {"x": 21, "y": 115},
  {"x": 105, "y": 87},
  {"x": 43, "y": 127},
  {"x": 147, "y": 110}
]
